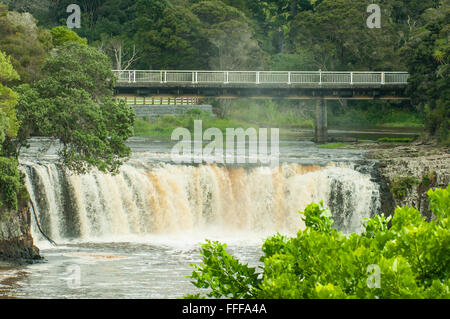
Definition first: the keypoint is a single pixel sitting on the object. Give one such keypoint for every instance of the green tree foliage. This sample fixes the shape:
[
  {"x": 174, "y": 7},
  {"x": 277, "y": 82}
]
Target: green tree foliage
[
  {"x": 38, "y": 8},
  {"x": 339, "y": 38},
  {"x": 428, "y": 57},
  {"x": 168, "y": 36},
  {"x": 301, "y": 60},
  {"x": 63, "y": 34},
  {"x": 11, "y": 186},
  {"x": 409, "y": 12},
  {"x": 74, "y": 103},
  {"x": 412, "y": 257},
  {"x": 230, "y": 35},
  {"x": 26, "y": 44},
  {"x": 10, "y": 179},
  {"x": 9, "y": 124}
]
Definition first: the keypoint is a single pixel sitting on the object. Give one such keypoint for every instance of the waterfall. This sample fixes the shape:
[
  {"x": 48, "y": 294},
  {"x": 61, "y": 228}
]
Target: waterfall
[{"x": 168, "y": 198}]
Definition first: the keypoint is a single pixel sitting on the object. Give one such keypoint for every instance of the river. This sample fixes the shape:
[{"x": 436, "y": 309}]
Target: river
[{"x": 135, "y": 234}]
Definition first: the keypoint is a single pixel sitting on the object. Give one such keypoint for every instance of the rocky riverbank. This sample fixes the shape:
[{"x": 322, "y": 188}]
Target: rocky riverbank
[
  {"x": 16, "y": 242},
  {"x": 410, "y": 170}
]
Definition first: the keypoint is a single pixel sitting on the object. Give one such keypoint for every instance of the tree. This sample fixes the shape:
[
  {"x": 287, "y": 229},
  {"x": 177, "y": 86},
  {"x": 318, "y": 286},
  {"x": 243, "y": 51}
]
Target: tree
[
  {"x": 26, "y": 44},
  {"x": 9, "y": 124},
  {"x": 63, "y": 34},
  {"x": 38, "y": 8},
  {"x": 232, "y": 45},
  {"x": 73, "y": 103},
  {"x": 428, "y": 56},
  {"x": 302, "y": 60},
  {"x": 89, "y": 14},
  {"x": 231, "y": 38},
  {"x": 122, "y": 56},
  {"x": 409, "y": 12},
  {"x": 168, "y": 36},
  {"x": 10, "y": 179},
  {"x": 337, "y": 34}
]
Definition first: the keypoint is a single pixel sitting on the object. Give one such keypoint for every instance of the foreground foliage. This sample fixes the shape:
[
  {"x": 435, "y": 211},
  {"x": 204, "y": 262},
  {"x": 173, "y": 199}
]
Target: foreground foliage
[{"x": 409, "y": 259}]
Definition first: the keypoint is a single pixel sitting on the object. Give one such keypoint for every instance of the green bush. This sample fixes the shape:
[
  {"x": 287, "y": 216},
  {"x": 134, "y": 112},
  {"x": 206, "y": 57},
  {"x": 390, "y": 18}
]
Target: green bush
[
  {"x": 11, "y": 186},
  {"x": 402, "y": 185},
  {"x": 63, "y": 34},
  {"x": 408, "y": 260}
]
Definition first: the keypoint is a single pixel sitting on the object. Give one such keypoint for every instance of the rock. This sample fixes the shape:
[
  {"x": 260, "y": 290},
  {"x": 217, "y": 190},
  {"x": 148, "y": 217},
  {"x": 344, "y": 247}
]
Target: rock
[
  {"x": 16, "y": 242},
  {"x": 412, "y": 170}
]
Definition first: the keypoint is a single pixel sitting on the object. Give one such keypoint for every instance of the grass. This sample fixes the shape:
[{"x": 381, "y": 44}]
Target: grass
[
  {"x": 268, "y": 114},
  {"x": 364, "y": 114},
  {"x": 332, "y": 145},
  {"x": 395, "y": 140},
  {"x": 164, "y": 126}
]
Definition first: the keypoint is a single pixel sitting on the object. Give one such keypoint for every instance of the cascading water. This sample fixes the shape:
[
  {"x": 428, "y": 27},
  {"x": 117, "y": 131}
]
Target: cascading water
[
  {"x": 166, "y": 198},
  {"x": 135, "y": 234}
]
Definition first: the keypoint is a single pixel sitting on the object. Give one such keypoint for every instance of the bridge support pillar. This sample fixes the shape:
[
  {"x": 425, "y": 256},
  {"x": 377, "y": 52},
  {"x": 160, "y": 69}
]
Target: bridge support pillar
[{"x": 321, "y": 124}]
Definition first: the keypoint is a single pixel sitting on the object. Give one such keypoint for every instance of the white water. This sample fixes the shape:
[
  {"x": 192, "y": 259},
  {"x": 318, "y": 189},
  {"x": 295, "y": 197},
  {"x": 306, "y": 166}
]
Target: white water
[
  {"x": 175, "y": 200},
  {"x": 134, "y": 235}
]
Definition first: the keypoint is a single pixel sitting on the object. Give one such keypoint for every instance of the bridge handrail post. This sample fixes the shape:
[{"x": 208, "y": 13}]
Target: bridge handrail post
[
  {"x": 227, "y": 78},
  {"x": 320, "y": 76},
  {"x": 351, "y": 78},
  {"x": 193, "y": 77},
  {"x": 129, "y": 76},
  {"x": 165, "y": 76},
  {"x": 161, "y": 76},
  {"x": 257, "y": 77},
  {"x": 383, "y": 78},
  {"x": 289, "y": 77},
  {"x": 134, "y": 76}
]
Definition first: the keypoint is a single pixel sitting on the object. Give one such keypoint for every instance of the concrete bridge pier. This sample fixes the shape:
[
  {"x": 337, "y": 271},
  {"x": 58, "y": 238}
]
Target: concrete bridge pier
[{"x": 321, "y": 123}]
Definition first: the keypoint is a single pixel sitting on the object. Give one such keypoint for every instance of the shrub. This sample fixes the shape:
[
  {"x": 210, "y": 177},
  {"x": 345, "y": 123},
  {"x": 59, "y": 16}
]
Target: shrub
[
  {"x": 408, "y": 260},
  {"x": 11, "y": 186},
  {"x": 402, "y": 185}
]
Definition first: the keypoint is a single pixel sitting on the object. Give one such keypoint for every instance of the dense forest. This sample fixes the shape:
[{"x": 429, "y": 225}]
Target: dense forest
[
  {"x": 259, "y": 35},
  {"x": 243, "y": 34}
]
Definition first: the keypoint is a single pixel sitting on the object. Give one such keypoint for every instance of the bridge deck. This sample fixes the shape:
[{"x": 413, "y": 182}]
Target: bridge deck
[
  {"x": 268, "y": 78},
  {"x": 262, "y": 84}
]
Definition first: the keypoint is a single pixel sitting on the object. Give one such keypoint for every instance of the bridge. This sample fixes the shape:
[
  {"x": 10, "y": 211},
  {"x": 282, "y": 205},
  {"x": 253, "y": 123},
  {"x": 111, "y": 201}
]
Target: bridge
[{"x": 294, "y": 85}]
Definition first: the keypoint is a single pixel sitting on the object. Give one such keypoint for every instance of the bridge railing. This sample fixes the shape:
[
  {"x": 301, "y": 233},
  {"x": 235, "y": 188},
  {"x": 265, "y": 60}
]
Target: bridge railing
[{"x": 258, "y": 77}]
